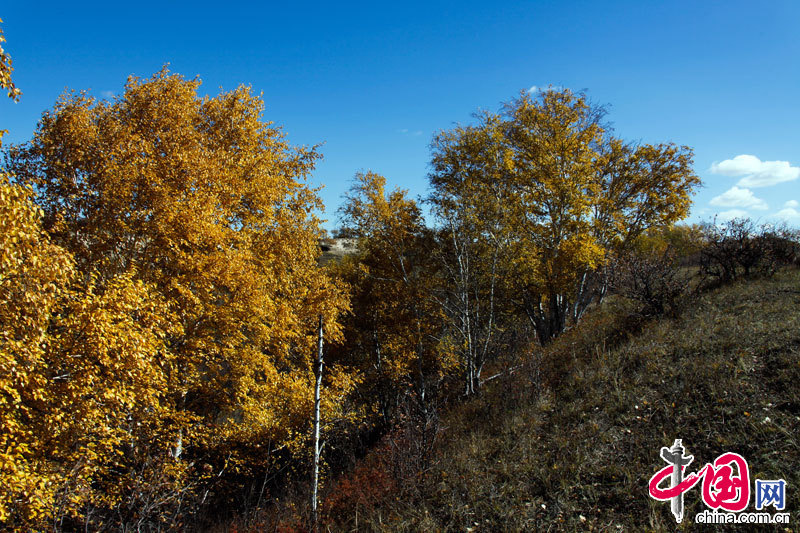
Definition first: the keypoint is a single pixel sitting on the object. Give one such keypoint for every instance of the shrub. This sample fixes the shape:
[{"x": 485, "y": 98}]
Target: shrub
[
  {"x": 655, "y": 281},
  {"x": 740, "y": 248}
]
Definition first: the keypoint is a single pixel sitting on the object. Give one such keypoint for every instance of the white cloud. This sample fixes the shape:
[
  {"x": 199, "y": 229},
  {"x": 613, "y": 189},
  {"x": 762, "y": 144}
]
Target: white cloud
[
  {"x": 731, "y": 214},
  {"x": 736, "y": 197},
  {"x": 756, "y": 173},
  {"x": 791, "y": 203},
  {"x": 788, "y": 213},
  {"x": 107, "y": 94},
  {"x": 538, "y": 89}
]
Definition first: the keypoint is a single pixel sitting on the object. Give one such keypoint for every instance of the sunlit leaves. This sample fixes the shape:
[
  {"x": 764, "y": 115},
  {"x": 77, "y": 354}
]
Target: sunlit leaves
[
  {"x": 393, "y": 328},
  {"x": 547, "y": 175},
  {"x": 80, "y": 369},
  {"x": 5, "y": 71},
  {"x": 189, "y": 328}
]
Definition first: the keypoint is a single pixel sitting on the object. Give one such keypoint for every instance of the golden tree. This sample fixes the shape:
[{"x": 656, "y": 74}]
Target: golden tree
[
  {"x": 548, "y": 176},
  {"x": 470, "y": 205},
  {"x": 205, "y": 204},
  {"x": 395, "y": 324},
  {"x": 31, "y": 272},
  {"x": 82, "y": 374}
]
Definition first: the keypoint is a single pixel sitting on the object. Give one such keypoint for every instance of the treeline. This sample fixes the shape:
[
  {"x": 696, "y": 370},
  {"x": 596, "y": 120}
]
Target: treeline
[{"x": 161, "y": 292}]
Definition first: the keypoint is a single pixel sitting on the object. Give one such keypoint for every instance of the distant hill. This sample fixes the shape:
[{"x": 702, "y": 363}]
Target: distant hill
[{"x": 335, "y": 249}]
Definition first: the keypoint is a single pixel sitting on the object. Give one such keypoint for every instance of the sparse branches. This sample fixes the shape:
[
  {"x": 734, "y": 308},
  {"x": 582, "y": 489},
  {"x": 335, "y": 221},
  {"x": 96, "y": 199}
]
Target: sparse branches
[
  {"x": 654, "y": 279},
  {"x": 740, "y": 248},
  {"x": 6, "y": 68}
]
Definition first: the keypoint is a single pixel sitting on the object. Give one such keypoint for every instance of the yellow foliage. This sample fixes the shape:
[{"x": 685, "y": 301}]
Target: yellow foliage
[
  {"x": 682, "y": 239},
  {"x": 394, "y": 318},
  {"x": 169, "y": 307},
  {"x": 78, "y": 369},
  {"x": 5, "y": 71},
  {"x": 547, "y": 175},
  {"x": 31, "y": 270}
]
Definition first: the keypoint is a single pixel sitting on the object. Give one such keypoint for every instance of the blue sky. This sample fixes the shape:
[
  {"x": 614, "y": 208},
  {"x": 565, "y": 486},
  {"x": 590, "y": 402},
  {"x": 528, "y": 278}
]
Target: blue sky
[{"x": 374, "y": 81}]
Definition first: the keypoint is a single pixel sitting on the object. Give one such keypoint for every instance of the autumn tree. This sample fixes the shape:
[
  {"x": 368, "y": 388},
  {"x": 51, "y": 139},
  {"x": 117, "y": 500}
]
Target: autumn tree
[
  {"x": 82, "y": 375},
  {"x": 30, "y": 274},
  {"x": 569, "y": 193},
  {"x": 395, "y": 326},
  {"x": 201, "y": 200},
  {"x": 472, "y": 240}
]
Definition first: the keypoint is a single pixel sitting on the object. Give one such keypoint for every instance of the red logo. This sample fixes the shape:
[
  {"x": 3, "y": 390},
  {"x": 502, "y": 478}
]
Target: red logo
[{"x": 726, "y": 482}]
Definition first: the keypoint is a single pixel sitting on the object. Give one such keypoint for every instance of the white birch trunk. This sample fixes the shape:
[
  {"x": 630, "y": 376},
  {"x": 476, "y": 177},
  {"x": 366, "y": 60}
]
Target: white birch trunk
[{"x": 317, "y": 394}]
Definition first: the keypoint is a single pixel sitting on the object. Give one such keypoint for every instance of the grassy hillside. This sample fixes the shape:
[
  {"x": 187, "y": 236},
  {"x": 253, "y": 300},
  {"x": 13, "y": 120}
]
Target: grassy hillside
[
  {"x": 335, "y": 249},
  {"x": 724, "y": 376}
]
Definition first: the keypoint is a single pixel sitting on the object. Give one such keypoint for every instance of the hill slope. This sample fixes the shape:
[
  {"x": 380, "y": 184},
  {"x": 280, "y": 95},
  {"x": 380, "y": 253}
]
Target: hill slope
[{"x": 724, "y": 376}]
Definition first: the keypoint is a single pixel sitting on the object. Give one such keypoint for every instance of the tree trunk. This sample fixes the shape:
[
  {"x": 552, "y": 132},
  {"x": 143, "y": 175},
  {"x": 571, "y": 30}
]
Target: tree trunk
[{"x": 317, "y": 393}]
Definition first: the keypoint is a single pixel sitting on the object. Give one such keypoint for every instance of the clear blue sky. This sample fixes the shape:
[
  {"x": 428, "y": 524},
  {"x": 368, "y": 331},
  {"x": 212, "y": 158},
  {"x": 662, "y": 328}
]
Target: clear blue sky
[{"x": 375, "y": 80}]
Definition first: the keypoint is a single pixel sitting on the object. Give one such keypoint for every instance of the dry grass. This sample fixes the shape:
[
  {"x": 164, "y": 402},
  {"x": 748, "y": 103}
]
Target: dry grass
[
  {"x": 336, "y": 249},
  {"x": 723, "y": 376}
]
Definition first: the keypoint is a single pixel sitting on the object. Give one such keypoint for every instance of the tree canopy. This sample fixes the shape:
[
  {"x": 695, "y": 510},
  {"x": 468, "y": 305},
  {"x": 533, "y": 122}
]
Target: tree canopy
[
  {"x": 178, "y": 232},
  {"x": 395, "y": 322},
  {"x": 547, "y": 175}
]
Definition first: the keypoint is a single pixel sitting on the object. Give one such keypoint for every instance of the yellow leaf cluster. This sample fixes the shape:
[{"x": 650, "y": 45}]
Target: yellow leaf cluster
[
  {"x": 79, "y": 368},
  {"x": 394, "y": 321},
  {"x": 5, "y": 71}
]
